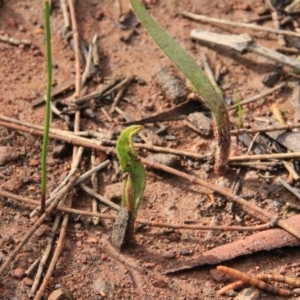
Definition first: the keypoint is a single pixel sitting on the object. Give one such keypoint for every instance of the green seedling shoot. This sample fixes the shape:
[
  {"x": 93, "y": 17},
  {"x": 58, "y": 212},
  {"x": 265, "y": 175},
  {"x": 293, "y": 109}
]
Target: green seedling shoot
[
  {"x": 48, "y": 99},
  {"x": 134, "y": 180},
  {"x": 198, "y": 79},
  {"x": 134, "y": 171},
  {"x": 294, "y": 70},
  {"x": 240, "y": 109}
]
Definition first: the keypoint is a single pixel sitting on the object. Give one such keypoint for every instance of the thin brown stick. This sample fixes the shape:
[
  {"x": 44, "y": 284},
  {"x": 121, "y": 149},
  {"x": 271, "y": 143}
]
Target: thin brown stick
[
  {"x": 238, "y": 24},
  {"x": 94, "y": 180},
  {"x": 64, "y": 9},
  {"x": 265, "y": 129},
  {"x": 141, "y": 221},
  {"x": 99, "y": 197},
  {"x": 36, "y": 225},
  {"x": 279, "y": 278},
  {"x": 32, "y": 267},
  {"x": 97, "y": 93},
  {"x": 95, "y": 53},
  {"x": 289, "y": 187},
  {"x": 209, "y": 72},
  {"x": 259, "y": 96},
  {"x": 125, "y": 83},
  {"x": 14, "y": 41},
  {"x": 72, "y": 138},
  {"x": 231, "y": 286},
  {"x": 227, "y": 193},
  {"x": 295, "y": 155},
  {"x": 86, "y": 73},
  {"x": 254, "y": 281},
  {"x": 76, "y": 48},
  {"x": 162, "y": 150}
]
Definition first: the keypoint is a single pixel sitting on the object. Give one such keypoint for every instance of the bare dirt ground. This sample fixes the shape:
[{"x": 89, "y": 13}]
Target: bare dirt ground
[{"x": 87, "y": 267}]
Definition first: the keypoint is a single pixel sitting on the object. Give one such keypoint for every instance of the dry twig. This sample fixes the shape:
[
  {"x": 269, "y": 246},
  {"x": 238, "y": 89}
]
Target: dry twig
[
  {"x": 254, "y": 281},
  {"x": 238, "y": 24},
  {"x": 142, "y": 221},
  {"x": 14, "y": 41}
]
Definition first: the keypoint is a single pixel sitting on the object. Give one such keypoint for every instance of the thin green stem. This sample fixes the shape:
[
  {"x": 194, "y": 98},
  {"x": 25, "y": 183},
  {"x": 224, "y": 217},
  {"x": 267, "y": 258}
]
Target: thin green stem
[{"x": 48, "y": 99}]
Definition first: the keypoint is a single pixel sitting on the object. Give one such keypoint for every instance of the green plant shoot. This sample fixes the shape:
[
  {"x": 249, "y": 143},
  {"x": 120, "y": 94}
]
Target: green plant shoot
[
  {"x": 294, "y": 70},
  {"x": 240, "y": 109},
  {"x": 197, "y": 78},
  {"x": 134, "y": 178},
  {"x": 48, "y": 99}
]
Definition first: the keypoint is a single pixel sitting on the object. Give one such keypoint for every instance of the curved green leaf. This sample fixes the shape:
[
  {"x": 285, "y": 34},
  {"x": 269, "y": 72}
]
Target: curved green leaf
[
  {"x": 198, "y": 79},
  {"x": 134, "y": 178}
]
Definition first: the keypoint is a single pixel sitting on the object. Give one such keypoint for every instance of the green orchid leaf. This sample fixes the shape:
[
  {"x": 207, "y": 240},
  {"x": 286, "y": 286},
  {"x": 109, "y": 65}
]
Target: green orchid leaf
[
  {"x": 134, "y": 178},
  {"x": 197, "y": 78}
]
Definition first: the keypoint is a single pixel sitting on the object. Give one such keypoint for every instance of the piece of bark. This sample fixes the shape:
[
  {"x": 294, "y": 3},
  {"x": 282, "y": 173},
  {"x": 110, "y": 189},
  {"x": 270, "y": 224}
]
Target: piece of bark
[
  {"x": 265, "y": 240},
  {"x": 8, "y": 154}
]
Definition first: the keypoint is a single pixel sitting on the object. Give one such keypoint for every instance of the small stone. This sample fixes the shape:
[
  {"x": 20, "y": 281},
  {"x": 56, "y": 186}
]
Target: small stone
[
  {"x": 34, "y": 163},
  {"x": 37, "y": 53},
  {"x": 18, "y": 273},
  {"x": 250, "y": 294},
  {"x": 8, "y": 154},
  {"x": 170, "y": 160},
  {"x": 231, "y": 293},
  {"x": 27, "y": 281},
  {"x": 186, "y": 252},
  {"x": 61, "y": 294},
  {"x": 39, "y": 31},
  {"x": 91, "y": 240},
  {"x": 170, "y": 255},
  {"x": 160, "y": 284},
  {"x": 200, "y": 123},
  {"x": 103, "y": 288},
  {"x": 13, "y": 184}
]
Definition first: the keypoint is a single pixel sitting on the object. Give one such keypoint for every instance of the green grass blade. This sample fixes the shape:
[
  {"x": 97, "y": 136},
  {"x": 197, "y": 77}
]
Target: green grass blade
[
  {"x": 48, "y": 99},
  {"x": 197, "y": 78}
]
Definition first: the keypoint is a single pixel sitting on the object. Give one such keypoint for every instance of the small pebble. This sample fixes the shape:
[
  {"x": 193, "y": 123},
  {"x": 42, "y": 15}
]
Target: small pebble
[
  {"x": 169, "y": 255},
  {"x": 13, "y": 184},
  {"x": 18, "y": 273},
  {"x": 186, "y": 252},
  {"x": 34, "y": 163},
  {"x": 61, "y": 294},
  {"x": 27, "y": 281}
]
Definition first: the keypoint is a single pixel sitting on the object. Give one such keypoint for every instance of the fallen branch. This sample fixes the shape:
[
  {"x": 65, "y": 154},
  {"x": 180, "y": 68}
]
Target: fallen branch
[{"x": 266, "y": 240}]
